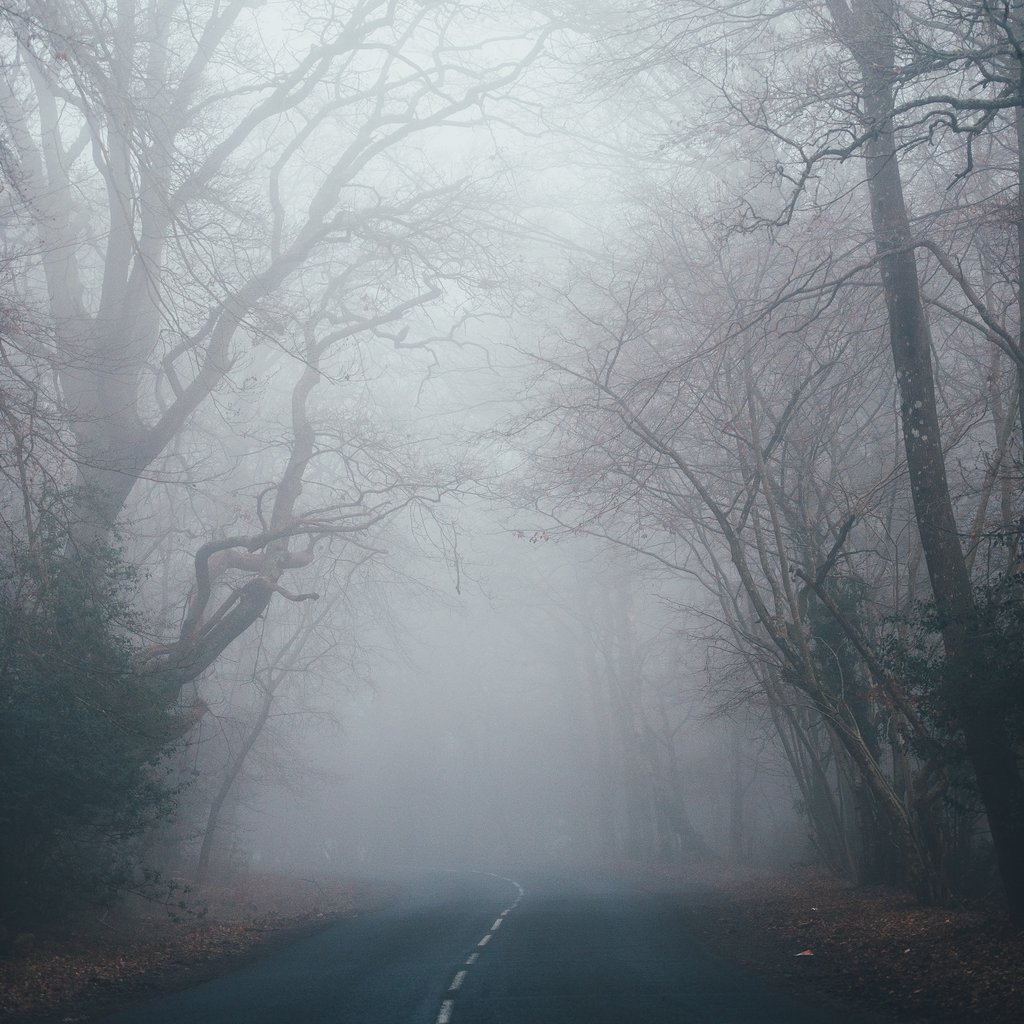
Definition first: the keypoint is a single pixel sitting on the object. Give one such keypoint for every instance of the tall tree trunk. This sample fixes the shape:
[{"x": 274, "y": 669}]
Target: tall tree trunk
[{"x": 868, "y": 32}]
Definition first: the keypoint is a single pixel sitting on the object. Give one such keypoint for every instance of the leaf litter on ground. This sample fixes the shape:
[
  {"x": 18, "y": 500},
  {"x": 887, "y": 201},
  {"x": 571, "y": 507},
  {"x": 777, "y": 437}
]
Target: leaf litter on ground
[{"x": 64, "y": 976}]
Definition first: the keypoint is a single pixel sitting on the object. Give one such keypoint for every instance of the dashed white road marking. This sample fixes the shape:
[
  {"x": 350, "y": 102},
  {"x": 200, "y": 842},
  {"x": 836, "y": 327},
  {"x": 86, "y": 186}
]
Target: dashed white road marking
[{"x": 444, "y": 1015}]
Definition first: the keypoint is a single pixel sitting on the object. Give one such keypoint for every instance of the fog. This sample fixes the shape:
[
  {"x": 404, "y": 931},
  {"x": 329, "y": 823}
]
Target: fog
[
  {"x": 489, "y": 743},
  {"x": 448, "y": 434}
]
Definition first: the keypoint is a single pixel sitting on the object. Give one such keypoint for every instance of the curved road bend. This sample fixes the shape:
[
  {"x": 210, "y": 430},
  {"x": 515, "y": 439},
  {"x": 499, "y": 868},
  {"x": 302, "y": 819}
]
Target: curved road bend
[{"x": 478, "y": 949}]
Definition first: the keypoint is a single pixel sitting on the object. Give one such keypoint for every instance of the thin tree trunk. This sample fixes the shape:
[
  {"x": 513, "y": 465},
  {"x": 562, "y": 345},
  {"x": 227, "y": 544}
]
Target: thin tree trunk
[{"x": 227, "y": 784}]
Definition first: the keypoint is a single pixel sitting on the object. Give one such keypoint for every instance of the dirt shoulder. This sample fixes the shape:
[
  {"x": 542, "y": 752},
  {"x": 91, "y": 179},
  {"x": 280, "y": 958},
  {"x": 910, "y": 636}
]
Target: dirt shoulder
[
  {"x": 82, "y": 976},
  {"x": 870, "y": 949}
]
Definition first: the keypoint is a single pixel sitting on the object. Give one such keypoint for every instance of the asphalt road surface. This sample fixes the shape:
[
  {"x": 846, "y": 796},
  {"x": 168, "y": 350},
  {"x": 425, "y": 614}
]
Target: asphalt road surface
[{"x": 472, "y": 948}]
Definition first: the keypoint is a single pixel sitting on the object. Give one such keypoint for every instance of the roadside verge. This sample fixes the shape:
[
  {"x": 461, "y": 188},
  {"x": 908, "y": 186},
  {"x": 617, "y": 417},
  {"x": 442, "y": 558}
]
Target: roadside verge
[{"x": 79, "y": 977}]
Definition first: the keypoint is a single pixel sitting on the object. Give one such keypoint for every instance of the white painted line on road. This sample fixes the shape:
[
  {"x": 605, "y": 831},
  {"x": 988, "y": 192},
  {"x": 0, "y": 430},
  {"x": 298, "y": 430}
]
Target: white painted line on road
[{"x": 444, "y": 1015}]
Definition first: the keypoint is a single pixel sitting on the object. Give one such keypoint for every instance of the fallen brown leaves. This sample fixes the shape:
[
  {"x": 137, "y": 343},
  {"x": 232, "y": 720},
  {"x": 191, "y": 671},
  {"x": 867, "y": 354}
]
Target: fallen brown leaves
[
  {"x": 873, "y": 948},
  {"x": 69, "y": 977}
]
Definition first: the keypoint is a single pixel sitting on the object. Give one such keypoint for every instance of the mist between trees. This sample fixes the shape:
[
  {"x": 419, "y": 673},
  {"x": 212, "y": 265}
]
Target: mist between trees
[{"x": 464, "y": 433}]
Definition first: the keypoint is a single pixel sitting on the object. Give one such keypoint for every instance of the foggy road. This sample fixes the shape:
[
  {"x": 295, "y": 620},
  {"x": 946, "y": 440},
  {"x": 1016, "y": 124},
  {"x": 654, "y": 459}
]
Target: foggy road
[{"x": 469, "y": 948}]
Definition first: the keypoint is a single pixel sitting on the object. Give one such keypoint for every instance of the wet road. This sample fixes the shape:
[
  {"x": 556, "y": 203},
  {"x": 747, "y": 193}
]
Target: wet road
[{"x": 471, "y": 948}]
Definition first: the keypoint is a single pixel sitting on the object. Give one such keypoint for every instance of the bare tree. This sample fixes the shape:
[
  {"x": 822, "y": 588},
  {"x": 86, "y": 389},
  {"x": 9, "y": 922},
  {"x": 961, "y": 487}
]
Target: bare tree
[
  {"x": 192, "y": 192},
  {"x": 724, "y": 453},
  {"x": 895, "y": 84}
]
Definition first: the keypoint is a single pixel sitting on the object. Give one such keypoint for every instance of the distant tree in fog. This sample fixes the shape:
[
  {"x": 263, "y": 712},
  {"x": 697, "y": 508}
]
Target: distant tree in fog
[{"x": 312, "y": 643}]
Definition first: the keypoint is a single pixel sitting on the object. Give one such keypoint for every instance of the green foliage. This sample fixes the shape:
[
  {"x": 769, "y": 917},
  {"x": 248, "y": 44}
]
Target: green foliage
[
  {"x": 836, "y": 658},
  {"x": 83, "y": 736},
  {"x": 917, "y": 659},
  {"x": 913, "y": 653},
  {"x": 1001, "y": 629}
]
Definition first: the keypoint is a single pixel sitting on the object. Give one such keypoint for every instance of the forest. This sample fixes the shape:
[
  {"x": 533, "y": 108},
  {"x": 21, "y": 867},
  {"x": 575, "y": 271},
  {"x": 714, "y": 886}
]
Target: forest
[{"x": 484, "y": 431}]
